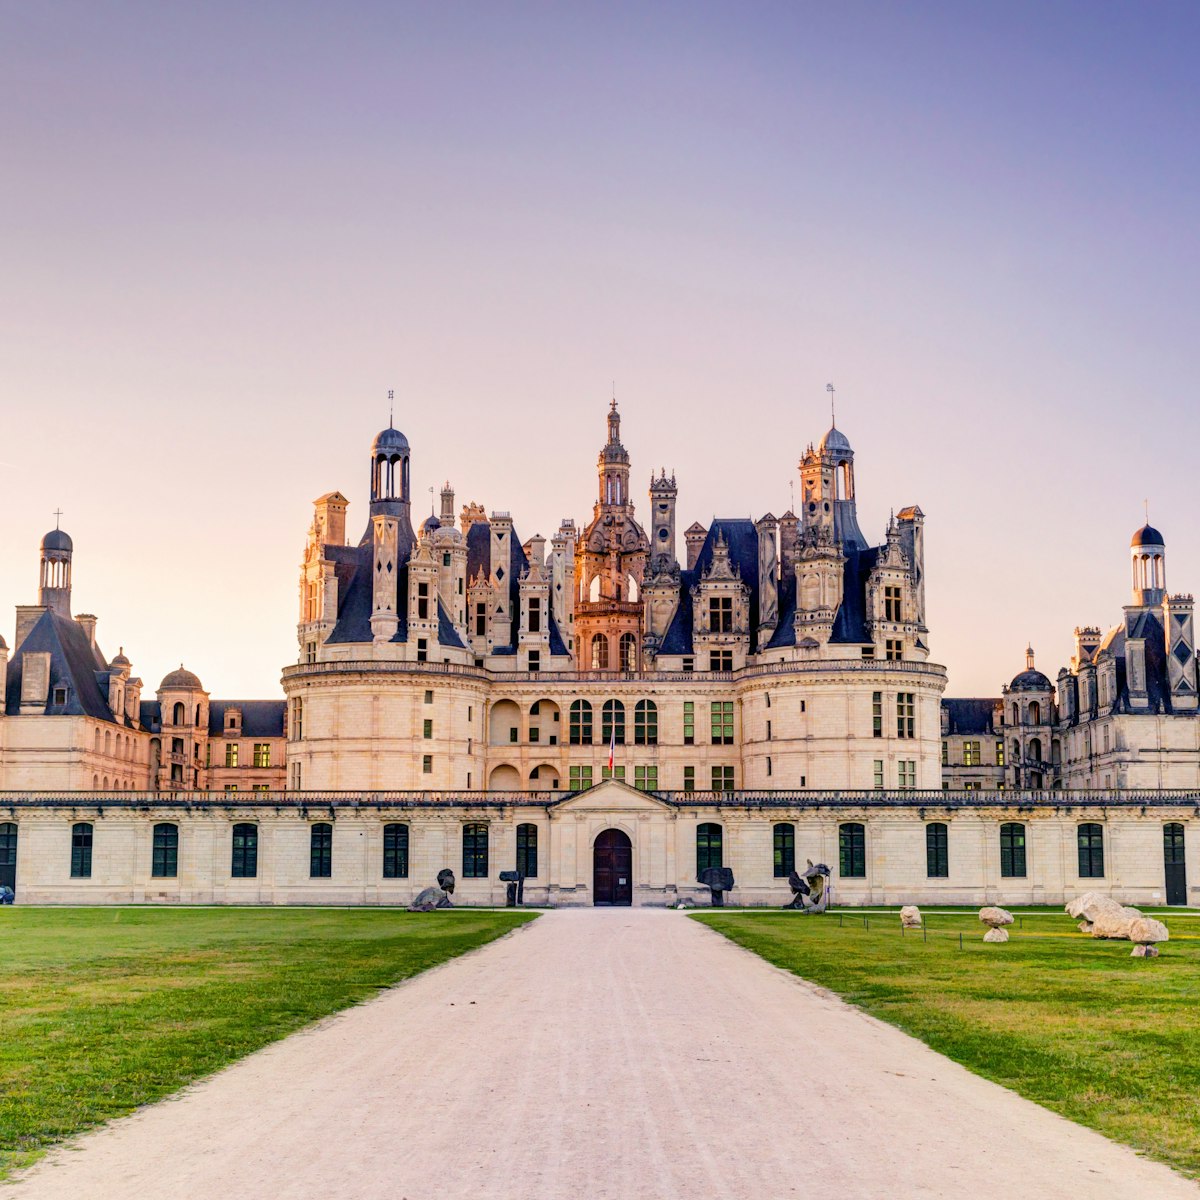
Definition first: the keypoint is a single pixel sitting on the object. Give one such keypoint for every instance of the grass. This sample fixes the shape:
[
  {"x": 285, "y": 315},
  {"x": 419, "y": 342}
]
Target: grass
[
  {"x": 103, "y": 1010},
  {"x": 1070, "y": 1022}
]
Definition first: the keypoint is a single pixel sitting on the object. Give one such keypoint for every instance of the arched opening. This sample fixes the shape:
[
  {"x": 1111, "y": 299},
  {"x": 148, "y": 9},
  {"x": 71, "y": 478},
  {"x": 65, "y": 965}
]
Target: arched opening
[
  {"x": 177, "y": 713},
  {"x": 612, "y": 869},
  {"x": 633, "y": 590},
  {"x": 599, "y": 656},
  {"x": 504, "y": 723},
  {"x": 544, "y": 778},
  {"x": 629, "y": 648},
  {"x": 593, "y": 589},
  {"x": 545, "y": 723},
  {"x": 1035, "y": 749},
  {"x": 504, "y": 778},
  {"x": 1035, "y": 713}
]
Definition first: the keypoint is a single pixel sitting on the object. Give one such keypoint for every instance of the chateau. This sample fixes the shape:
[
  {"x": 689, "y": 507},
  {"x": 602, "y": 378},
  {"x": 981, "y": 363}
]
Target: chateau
[{"x": 607, "y": 713}]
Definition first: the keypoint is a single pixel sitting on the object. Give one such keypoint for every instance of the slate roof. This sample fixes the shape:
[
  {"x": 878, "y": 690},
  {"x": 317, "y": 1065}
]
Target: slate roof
[
  {"x": 974, "y": 715},
  {"x": 260, "y": 718},
  {"x": 74, "y": 664}
]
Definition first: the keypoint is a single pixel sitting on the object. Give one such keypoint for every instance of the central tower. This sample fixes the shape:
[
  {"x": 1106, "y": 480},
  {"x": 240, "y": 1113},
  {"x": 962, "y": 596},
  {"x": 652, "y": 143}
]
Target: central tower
[{"x": 610, "y": 562}]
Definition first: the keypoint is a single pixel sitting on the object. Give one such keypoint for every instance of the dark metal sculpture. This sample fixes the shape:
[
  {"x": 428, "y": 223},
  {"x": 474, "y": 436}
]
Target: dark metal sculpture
[
  {"x": 720, "y": 881},
  {"x": 810, "y": 888},
  {"x": 515, "y": 893},
  {"x": 435, "y": 897}
]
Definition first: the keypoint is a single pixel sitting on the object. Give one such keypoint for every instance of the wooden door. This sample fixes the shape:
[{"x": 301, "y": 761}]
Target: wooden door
[
  {"x": 612, "y": 869},
  {"x": 1173, "y": 863}
]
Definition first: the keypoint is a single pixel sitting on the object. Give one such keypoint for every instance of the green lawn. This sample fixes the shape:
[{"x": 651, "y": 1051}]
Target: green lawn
[
  {"x": 1070, "y": 1022},
  {"x": 104, "y": 1009}
]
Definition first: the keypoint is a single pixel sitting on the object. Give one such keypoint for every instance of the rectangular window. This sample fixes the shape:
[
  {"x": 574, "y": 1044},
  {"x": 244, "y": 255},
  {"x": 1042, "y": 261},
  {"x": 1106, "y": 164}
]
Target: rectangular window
[
  {"x": 513, "y": 733},
  {"x": 260, "y": 787},
  {"x": 722, "y": 779},
  {"x": 422, "y": 650},
  {"x": 320, "y": 851},
  {"x": 999, "y": 752},
  {"x": 689, "y": 779},
  {"x": 877, "y": 714},
  {"x": 1091, "y": 851},
  {"x": 580, "y": 778},
  {"x": 645, "y": 723},
  {"x": 615, "y": 773},
  {"x": 231, "y": 754},
  {"x": 906, "y": 709},
  {"x": 945, "y": 754},
  {"x": 60, "y": 696},
  {"x": 689, "y": 663},
  {"x": 972, "y": 754},
  {"x": 891, "y": 604},
  {"x": 427, "y": 728},
  {"x": 972, "y": 785},
  {"x": 645, "y": 779},
  {"x": 81, "y": 851},
  {"x": 720, "y": 660},
  {"x": 422, "y": 602},
  {"x": 427, "y": 764},
  {"x": 937, "y": 859},
  {"x": 481, "y": 620},
  {"x": 1012, "y": 850},
  {"x": 689, "y": 722},
  {"x": 262, "y": 754},
  {"x": 535, "y": 615},
  {"x": 852, "y": 850},
  {"x": 908, "y": 774},
  {"x": 231, "y": 787},
  {"x": 721, "y": 713},
  {"x": 768, "y": 731},
  {"x": 580, "y": 727},
  {"x": 535, "y": 660},
  {"x": 879, "y": 772},
  {"x": 769, "y": 771},
  {"x": 868, "y": 653},
  {"x": 527, "y": 863},
  {"x": 296, "y": 731},
  {"x": 310, "y": 652},
  {"x": 429, "y": 695},
  {"x": 720, "y": 614},
  {"x": 894, "y": 649}
]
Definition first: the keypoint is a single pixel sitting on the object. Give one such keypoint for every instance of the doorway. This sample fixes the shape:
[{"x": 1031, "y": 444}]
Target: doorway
[
  {"x": 1173, "y": 863},
  {"x": 612, "y": 869}
]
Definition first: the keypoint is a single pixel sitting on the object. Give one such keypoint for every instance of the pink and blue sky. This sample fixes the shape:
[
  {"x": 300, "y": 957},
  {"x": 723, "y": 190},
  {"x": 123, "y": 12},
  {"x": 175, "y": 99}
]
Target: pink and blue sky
[{"x": 228, "y": 229}]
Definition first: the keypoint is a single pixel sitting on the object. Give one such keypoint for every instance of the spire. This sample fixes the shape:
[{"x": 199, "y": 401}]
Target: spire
[
  {"x": 391, "y": 407},
  {"x": 1029, "y": 657}
]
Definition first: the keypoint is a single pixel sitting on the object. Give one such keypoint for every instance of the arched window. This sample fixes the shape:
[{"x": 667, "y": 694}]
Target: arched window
[
  {"x": 177, "y": 713},
  {"x": 1035, "y": 749},
  {"x": 1056, "y": 752},
  {"x": 708, "y": 847},
  {"x": 527, "y": 850},
  {"x": 1091, "y": 851},
  {"x": 1012, "y": 850},
  {"x": 645, "y": 723},
  {"x": 632, "y": 590},
  {"x": 395, "y": 851},
  {"x": 320, "y": 851},
  {"x": 593, "y": 589},
  {"x": 244, "y": 864},
  {"x": 599, "y": 652},
  {"x": 581, "y": 723},
  {"x": 628, "y": 647},
  {"x": 81, "y": 850},
  {"x": 8, "y": 854},
  {"x": 1016, "y": 714},
  {"x": 937, "y": 858},
  {"x": 612, "y": 722},
  {"x": 785, "y": 850},
  {"x": 97, "y": 747},
  {"x": 475, "y": 851},
  {"x": 197, "y": 714},
  {"x": 852, "y": 850},
  {"x": 164, "y": 861},
  {"x": 1035, "y": 713}
]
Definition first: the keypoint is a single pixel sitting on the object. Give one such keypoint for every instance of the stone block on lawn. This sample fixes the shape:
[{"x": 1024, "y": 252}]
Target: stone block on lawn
[
  {"x": 995, "y": 919},
  {"x": 910, "y": 917},
  {"x": 1145, "y": 931}
]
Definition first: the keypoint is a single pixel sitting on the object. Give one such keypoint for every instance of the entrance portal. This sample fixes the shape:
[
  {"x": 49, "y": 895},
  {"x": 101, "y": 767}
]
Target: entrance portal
[
  {"x": 1173, "y": 863},
  {"x": 612, "y": 869},
  {"x": 8, "y": 855}
]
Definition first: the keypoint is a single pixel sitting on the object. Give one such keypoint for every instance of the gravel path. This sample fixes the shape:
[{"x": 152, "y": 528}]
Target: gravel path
[{"x": 621, "y": 1054}]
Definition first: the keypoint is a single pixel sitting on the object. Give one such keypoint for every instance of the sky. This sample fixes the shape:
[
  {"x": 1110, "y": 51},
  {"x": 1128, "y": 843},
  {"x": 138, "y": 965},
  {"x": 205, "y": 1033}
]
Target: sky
[{"x": 228, "y": 230}]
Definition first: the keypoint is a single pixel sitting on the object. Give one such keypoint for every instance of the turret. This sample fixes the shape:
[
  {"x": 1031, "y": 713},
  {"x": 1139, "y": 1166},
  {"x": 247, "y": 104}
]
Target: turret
[
  {"x": 422, "y": 600},
  {"x": 663, "y": 494},
  {"x": 1179, "y": 621},
  {"x": 501, "y": 546},
  {"x": 54, "y": 591},
  {"x": 613, "y": 465},
  {"x": 827, "y": 482},
  {"x": 1148, "y": 554},
  {"x": 385, "y": 620},
  {"x": 562, "y": 580},
  {"x": 768, "y": 578},
  {"x": 694, "y": 536}
]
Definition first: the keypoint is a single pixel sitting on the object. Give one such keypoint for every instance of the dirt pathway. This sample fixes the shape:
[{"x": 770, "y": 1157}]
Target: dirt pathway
[{"x": 608, "y": 1054}]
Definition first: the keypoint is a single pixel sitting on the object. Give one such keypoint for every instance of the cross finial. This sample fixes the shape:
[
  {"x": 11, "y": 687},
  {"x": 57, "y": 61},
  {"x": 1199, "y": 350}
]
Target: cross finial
[
  {"x": 57, "y": 516},
  {"x": 391, "y": 406},
  {"x": 1146, "y": 503},
  {"x": 832, "y": 410},
  {"x": 431, "y": 500}
]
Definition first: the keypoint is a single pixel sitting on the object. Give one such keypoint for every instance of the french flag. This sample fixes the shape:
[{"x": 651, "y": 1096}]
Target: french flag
[{"x": 612, "y": 747}]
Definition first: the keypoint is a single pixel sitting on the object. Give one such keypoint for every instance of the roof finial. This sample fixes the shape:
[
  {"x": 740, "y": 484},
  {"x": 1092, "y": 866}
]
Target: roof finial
[
  {"x": 1146, "y": 505},
  {"x": 832, "y": 410},
  {"x": 431, "y": 512},
  {"x": 1029, "y": 657},
  {"x": 57, "y": 516},
  {"x": 391, "y": 406}
]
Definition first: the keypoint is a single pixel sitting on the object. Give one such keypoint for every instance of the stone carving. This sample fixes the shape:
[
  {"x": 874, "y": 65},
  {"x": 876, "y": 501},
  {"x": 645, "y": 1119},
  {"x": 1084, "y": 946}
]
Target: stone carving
[
  {"x": 435, "y": 897},
  {"x": 1102, "y": 916},
  {"x": 910, "y": 917},
  {"x": 810, "y": 888},
  {"x": 1145, "y": 931},
  {"x": 995, "y": 919}
]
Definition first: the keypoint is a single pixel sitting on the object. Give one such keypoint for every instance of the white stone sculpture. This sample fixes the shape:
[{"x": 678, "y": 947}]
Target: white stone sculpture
[
  {"x": 1102, "y": 916},
  {"x": 910, "y": 917},
  {"x": 995, "y": 919},
  {"x": 1145, "y": 931}
]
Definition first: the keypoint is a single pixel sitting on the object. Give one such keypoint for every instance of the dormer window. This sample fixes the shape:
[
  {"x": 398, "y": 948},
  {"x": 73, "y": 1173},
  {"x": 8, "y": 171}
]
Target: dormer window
[{"x": 720, "y": 614}]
